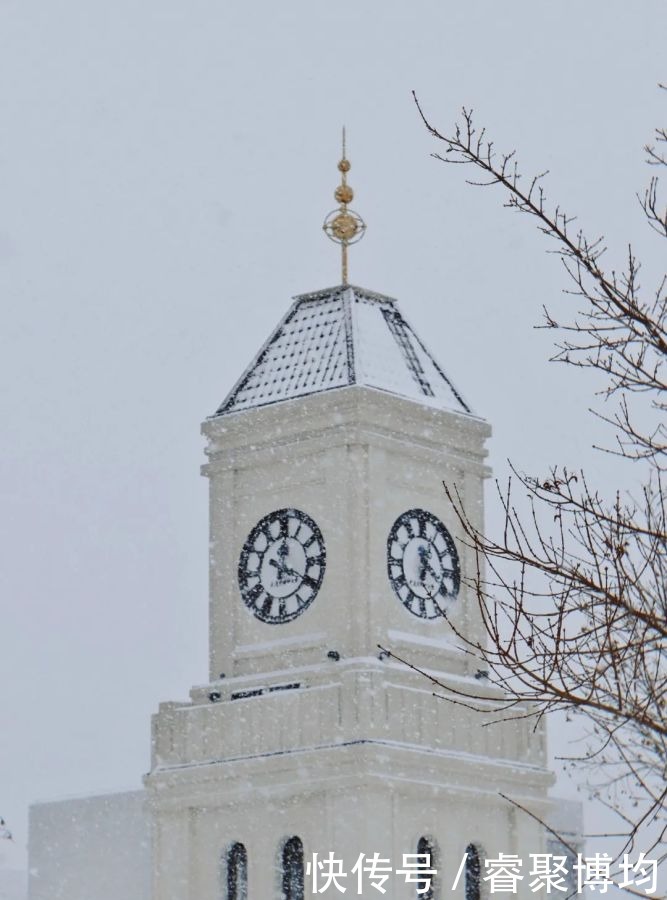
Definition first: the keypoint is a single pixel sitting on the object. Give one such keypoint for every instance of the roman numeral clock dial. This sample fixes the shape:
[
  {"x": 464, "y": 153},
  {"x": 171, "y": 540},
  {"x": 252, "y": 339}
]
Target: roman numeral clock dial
[
  {"x": 282, "y": 566},
  {"x": 423, "y": 564}
]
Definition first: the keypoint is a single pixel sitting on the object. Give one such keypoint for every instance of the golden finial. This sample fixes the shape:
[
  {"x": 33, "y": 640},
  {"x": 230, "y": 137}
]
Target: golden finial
[{"x": 343, "y": 225}]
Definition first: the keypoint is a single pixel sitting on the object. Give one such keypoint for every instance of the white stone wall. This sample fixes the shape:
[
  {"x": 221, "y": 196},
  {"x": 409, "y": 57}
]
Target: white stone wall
[
  {"x": 352, "y": 755},
  {"x": 353, "y": 460},
  {"x": 95, "y": 848},
  {"x": 363, "y": 798}
]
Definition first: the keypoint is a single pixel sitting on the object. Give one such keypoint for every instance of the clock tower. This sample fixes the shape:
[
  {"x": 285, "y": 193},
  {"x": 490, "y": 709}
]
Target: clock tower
[{"x": 331, "y": 538}]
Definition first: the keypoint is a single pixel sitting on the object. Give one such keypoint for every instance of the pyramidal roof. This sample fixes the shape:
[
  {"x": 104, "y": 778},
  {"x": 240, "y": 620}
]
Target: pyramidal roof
[{"x": 337, "y": 338}]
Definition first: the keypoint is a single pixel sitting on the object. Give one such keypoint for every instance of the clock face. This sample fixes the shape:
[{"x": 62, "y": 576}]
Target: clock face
[
  {"x": 282, "y": 566},
  {"x": 423, "y": 564}
]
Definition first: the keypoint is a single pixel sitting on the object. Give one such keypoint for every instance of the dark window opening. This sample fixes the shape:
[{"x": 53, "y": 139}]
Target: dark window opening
[
  {"x": 473, "y": 873},
  {"x": 426, "y": 848},
  {"x": 237, "y": 873},
  {"x": 293, "y": 871}
]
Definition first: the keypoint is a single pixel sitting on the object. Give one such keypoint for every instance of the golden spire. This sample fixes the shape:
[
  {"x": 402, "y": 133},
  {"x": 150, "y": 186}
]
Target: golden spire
[{"x": 343, "y": 225}]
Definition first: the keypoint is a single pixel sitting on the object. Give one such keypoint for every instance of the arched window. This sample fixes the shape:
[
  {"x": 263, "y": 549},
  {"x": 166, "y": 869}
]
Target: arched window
[
  {"x": 426, "y": 847},
  {"x": 293, "y": 875},
  {"x": 237, "y": 872},
  {"x": 473, "y": 873}
]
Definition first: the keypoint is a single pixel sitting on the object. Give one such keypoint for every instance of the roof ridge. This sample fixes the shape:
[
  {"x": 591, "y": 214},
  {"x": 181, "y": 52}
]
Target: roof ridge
[{"x": 339, "y": 289}]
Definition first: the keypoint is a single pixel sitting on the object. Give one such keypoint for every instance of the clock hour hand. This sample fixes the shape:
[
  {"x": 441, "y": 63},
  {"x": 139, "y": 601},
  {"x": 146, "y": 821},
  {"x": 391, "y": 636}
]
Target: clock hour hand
[
  {"x": 436, "y": 575},
  {"x": 424, "y": 564},
  {"x": 284, "y": 570},
  {"x": 281, "y": 567}
]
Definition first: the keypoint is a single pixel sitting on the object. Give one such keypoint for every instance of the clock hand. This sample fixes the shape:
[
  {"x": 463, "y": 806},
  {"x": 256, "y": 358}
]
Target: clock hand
[
  {"x": 284, "y": 570},
  {"x": 424, "y": 552},
  {"x": 436, "y": 575},
  {"x": 281, "y": 567}
]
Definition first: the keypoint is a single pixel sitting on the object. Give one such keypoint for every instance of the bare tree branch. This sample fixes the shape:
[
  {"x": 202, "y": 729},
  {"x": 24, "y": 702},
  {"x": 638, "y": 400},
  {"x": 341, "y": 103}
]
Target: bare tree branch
[{"x": 573, "y": 593}]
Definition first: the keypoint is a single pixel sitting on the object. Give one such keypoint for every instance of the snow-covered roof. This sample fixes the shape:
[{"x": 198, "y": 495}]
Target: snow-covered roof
[{"x": 340, "y": 337}]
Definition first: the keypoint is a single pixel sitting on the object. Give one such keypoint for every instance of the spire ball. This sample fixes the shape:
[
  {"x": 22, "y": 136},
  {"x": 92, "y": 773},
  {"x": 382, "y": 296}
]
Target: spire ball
[
  {"x": 344, "y": 227},
  {"x": 344, "y": 193},
  {"x": 344, "y": 165}
]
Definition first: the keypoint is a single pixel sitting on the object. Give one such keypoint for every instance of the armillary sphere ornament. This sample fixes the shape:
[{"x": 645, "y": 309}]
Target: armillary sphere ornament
[{"x": 344, "y": 226}]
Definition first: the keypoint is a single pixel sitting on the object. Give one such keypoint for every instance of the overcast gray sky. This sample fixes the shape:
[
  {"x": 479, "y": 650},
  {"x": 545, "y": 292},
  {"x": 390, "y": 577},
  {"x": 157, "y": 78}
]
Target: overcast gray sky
[{"x": 164, "y": 170}]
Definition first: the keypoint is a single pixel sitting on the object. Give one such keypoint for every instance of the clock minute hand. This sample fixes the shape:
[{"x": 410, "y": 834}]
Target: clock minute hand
[
  {"x": 429, "y": 568},
  {"x": 283, "y": 569}
]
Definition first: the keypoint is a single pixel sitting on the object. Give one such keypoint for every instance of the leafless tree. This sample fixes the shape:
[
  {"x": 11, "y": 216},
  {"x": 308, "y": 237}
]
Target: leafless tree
[{"x": 572, "y": 593}]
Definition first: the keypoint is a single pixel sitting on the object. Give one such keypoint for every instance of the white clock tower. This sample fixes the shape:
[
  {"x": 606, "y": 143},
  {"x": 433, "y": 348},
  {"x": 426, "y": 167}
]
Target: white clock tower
[{"x": 331, "y": 537}]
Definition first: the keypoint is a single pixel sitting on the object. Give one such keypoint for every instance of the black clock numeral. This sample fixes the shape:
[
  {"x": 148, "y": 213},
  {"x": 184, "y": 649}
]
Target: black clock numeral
[
  {"x": 255, "y": 593},
  {"x": 283, "y": 522},
  {"x": 444, "y": 590},
  {"x": 399, "y": 580}
]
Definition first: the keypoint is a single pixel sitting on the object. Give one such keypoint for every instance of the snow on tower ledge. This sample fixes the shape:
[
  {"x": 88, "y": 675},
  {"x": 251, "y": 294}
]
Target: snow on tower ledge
[{"x": 339, "y": 337}]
